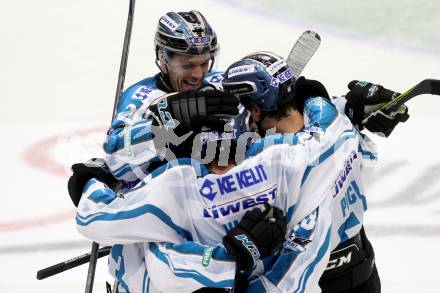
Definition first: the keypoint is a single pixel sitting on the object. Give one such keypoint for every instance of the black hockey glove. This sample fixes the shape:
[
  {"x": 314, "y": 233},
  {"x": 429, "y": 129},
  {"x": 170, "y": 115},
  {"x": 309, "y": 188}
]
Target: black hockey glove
[
  {"x": 83, "y": 172},
  {"x": 196, "y": 109},
  {"x": 260, "y": 233},
  {"x": 363, "y": 102},
  {"x": 308, "y": 88}
]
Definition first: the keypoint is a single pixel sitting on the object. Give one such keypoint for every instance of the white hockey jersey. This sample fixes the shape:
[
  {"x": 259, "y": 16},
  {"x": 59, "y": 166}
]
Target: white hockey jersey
[
  {"x": 129, "y": 146},
  {"x": 315, "y": 177}
]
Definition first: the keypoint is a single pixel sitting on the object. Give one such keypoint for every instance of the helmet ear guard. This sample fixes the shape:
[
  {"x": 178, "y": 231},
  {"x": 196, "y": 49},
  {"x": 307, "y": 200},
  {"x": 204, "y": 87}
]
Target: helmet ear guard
[{"x": 240, "y": 88}]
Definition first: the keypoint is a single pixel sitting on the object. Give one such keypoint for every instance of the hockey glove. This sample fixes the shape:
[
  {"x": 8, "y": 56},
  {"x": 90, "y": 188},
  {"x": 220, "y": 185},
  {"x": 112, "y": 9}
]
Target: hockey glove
[
  {"x": 260, "y": 233},
  {"x": 83, "y": 172},
  {"x": 362, "y": 107},
  {"x": 196, "y": 109},
  {"x": 308, "y": 88}
]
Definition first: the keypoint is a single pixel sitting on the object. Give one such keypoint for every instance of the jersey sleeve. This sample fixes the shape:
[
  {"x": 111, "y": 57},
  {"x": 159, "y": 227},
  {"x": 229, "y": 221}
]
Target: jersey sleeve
[
  {"x": 127, "y": 266},
  {"x": 129, "y": 143},
  {"x": 189, "y": 266},
  {"x": 149, "y": 213}
]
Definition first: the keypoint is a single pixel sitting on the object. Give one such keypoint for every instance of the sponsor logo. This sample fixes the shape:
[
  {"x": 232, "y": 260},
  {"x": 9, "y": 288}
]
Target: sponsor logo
[
  {"x": 339, "y": 262},
  {"x": 207, "y": 190},
  {"x": 217, "y": 211},
  {"x": 272, "y": 69},
  {"x": 274, "y": 82},
  {"x": 233, "y": 182},
  {"x": 165, "y": 116},
  {"x": 239, "y": 70},
  {"x": 216, "y": 78},
  {"x": 168, "y": 22},
  {"x": 285, "y": 75},
  {"x": 207, "y": 254},
  {"x": 250, "y": 246},
  {"x": 199, "y": 40},
  {"x": 372, "y": 91},
  {"x": 281, "y": 78},
  {"x": 345, "y": 172}
]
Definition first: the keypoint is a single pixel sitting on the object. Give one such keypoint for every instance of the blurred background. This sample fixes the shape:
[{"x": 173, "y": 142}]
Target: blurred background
[{"x": 59, "y": 62}]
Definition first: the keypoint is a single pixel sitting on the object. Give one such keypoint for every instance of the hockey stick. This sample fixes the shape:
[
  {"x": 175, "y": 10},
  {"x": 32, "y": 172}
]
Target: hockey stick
[
  {"x": 426, "y": 86},
  {"x": 70, "y": 263},
  {"x": 302, "y": 51},
  {"x": 119, "y": 87}
]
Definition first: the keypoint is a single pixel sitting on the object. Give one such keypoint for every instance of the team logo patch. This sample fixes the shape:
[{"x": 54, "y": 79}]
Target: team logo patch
[{"x": 207, "y": 190}]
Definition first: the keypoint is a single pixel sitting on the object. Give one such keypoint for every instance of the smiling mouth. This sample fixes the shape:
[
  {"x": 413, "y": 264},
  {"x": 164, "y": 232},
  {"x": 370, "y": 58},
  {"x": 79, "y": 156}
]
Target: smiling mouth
[{"x": 192, "y": 85}]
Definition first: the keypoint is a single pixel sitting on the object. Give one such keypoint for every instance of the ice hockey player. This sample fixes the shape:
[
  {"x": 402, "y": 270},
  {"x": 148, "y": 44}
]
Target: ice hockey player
[
  {"x": 261, "y": 79},
  {"x": 186, "y": 48},
  {"x": 279, "y": 165}
]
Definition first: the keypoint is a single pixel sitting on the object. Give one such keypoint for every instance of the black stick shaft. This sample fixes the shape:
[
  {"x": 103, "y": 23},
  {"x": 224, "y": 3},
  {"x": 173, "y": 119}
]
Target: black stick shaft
[
  {"x": 92, "y": 267},
  {"x": 124, "y": 57},
  {"x": 70, "y": 263},
  {"x": 119, "y": 88}
]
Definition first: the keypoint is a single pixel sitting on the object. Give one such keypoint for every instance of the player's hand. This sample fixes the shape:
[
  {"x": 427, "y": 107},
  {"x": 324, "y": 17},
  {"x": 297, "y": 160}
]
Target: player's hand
[
  {"x": 363, "y": 103},
  {"x": 260, "y": 233},
  {"x": 83, "y": 172},
  {"x": 194, "y": 109}
]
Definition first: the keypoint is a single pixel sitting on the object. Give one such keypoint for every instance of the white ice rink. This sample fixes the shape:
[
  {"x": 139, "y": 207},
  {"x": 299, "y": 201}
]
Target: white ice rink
[{"x": 58, "y": 70}]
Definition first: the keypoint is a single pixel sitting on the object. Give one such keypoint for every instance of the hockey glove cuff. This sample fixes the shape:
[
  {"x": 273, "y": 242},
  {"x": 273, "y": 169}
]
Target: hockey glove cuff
[
  {"x": 383, "y": 124},
  {"x": 362, "y": 107},
  {"x": 260, "y": 233}
]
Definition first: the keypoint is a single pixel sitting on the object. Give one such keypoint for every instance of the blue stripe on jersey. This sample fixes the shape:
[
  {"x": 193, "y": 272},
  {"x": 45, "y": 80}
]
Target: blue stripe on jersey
[
  {"x": 273, "y": 139},
  {"x": 88, "y": 184},
  {"x": 351, "y": 222},
  {"x": 218, "y": 253},
  {"x": 104, "y": 195},
  {"x": 192, "y": 274},
  {"x": 256, "y": 286},
  {"x": 146, "y": 283},
  {"x": 141, "y": 131},
  {"x": 311, "y": 267},
  {"x": 289, "y": 213},
  {"x": 116, "y": 254},
  {"x": 139, "y": 211},
  {"x": 347, "y": 134},
  {"x": 285, "y": 260},
  {"x": 366, "y": 154}
]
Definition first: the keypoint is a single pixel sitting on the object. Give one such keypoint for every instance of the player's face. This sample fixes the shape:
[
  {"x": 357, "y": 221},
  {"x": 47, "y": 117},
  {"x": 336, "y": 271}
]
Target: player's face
[
  {"x": 186, "y": 72},
  {"x": 256, "y": 117}
]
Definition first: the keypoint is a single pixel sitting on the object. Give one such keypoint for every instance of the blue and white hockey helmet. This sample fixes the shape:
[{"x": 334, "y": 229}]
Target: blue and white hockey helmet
[
  {"x": 263, "y": 77},
  {"x": 185, "y": 33}
]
